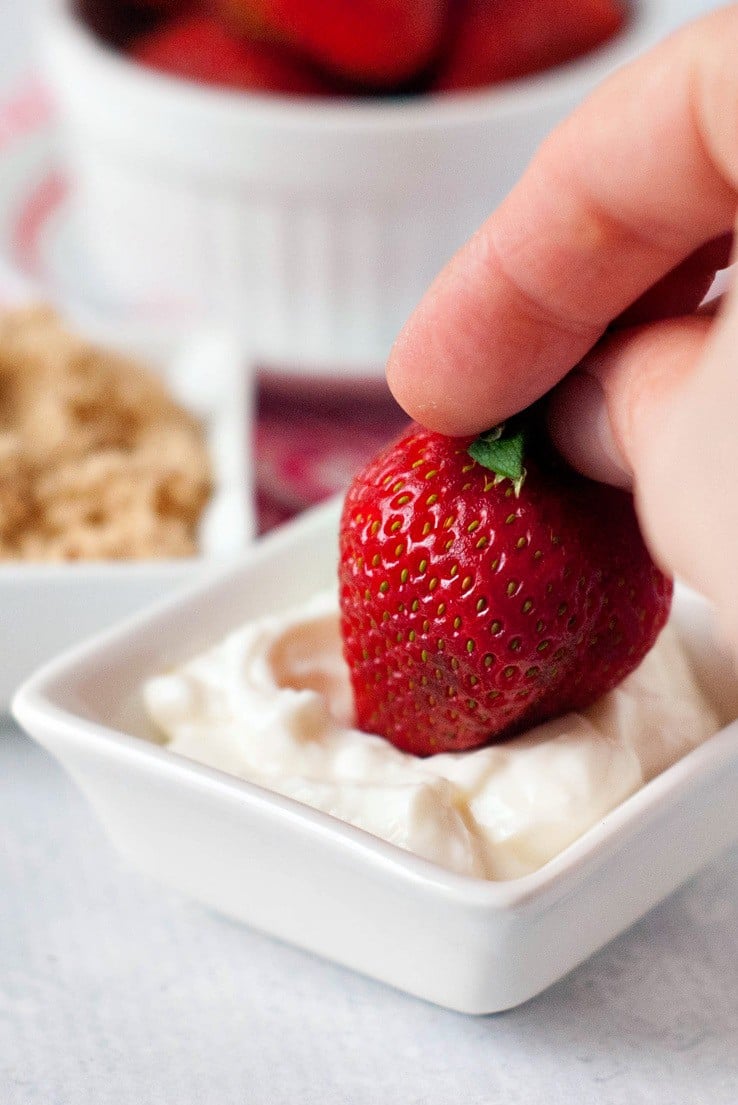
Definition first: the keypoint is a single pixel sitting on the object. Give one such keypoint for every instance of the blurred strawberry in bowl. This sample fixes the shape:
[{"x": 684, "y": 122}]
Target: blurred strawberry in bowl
[
  {"x": 378, "y": 43},
  {"x": 200, "y": 48},
  {"x": 506, "y": 39},
  {"x": 168, "y": 6}
]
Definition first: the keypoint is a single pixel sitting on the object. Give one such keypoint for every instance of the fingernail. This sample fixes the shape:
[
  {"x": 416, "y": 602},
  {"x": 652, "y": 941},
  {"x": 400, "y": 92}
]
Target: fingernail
[{"x": 580, "y": 428}]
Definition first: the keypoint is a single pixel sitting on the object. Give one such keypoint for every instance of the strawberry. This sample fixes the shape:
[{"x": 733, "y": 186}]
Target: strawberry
[
  {"x": 159, "y": 6},
  {"x": 200, "y": 48},
  {"x": 476, "y": 603},
  {"x": 377, "y": 42},
  {"x": 511, "y": 38}
]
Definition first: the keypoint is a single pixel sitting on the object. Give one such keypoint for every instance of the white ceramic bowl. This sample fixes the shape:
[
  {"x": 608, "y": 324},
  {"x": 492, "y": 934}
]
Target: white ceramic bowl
[
  {"x": 48, "y": 607},
  {"x": 307, "y": 878},
  {"x": 314, "y": 225}
]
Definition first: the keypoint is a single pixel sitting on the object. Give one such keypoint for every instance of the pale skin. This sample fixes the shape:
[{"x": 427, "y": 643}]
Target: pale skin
[{"x": 641, "y": 180}]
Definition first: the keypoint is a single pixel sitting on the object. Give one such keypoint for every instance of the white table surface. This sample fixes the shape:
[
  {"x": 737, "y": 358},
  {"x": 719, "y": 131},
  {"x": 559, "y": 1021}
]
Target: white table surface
[{"x": 114, "y": 991}]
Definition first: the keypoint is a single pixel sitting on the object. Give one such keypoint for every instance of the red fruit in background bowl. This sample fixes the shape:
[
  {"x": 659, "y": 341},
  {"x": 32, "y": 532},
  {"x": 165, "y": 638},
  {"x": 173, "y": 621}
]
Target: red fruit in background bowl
[
  {"x": 199, "y": 48},
  {"x": 501, "y": 40},
  {"x": 168, "y": 6},
  {"x": 376, "y": 42},
  {"x": 474, "y": 605}
]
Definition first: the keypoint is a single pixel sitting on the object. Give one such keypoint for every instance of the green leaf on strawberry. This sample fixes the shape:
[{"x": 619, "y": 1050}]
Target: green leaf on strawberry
[{"x": 501, "y": 450}]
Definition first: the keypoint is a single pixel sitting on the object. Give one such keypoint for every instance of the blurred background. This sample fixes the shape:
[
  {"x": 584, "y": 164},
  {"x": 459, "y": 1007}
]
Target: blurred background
[{"x": 305, "y": 226}]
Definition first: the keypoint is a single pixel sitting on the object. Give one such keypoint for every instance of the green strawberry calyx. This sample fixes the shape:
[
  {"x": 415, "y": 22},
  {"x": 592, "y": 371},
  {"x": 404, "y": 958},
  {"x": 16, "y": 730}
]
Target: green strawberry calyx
[{"x": 501, "y": 450}]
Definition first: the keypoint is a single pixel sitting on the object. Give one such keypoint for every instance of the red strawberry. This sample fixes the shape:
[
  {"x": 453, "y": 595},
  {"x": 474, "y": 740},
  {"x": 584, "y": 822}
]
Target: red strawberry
[
  {"x": 377, "y": 42},
  {"x": 511, "y": 38},
  {"x": 199, "y": 48},
  {"x": 160, "y": 5},
  {"x": 470, "y": 612}
]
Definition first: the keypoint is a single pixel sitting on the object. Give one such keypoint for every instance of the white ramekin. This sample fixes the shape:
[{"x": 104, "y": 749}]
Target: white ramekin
[{"x": 312, "y": 225}]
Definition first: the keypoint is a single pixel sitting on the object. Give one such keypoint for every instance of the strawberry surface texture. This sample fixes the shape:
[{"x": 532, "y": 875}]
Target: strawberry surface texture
[
  {"x": 379, "y": 42},
  {"x": 473, "y": 607},
  {"x": 199, "y": 48},
  {"x": 507, "y": 39}
]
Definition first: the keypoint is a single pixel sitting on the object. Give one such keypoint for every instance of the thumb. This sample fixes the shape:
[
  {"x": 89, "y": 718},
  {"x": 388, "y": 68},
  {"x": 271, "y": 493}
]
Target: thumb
[{"x": 656, "y": 408}]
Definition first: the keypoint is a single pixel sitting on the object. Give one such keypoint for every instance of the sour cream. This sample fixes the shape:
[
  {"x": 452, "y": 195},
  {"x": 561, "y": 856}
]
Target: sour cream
[{"x": 272, "y": 704}]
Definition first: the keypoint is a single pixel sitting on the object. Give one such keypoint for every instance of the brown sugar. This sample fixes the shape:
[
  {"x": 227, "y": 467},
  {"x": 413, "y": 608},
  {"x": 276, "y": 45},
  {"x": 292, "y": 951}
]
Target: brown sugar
[{"x": 97, "y": 461}]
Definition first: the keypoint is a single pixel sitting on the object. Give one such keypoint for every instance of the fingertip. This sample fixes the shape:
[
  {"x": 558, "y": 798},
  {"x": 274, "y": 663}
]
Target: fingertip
[{"x": 426, "y": 382}]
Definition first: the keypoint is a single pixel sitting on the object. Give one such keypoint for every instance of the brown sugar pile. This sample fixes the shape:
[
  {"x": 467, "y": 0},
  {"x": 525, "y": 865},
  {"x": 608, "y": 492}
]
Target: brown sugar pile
[{"x": 97, "y": 461}]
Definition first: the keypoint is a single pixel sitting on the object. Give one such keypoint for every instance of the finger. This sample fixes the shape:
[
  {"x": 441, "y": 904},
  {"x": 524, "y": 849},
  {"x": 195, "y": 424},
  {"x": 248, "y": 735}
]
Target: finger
[
  {"x": 686, "y": 473},
  {"x": 614, "y": 199},
  {"x": 682, "y": 290},
  {"x": 655, "y": 408},
  {"x": 601, "y": 415}
]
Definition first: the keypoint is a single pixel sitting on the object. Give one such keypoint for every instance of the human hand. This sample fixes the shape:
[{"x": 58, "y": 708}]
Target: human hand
[{"x": 598, "y": 259}]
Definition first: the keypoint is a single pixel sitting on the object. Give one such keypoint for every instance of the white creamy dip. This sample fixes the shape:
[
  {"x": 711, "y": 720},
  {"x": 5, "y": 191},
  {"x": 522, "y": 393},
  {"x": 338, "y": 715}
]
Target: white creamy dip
[{"x": 272, "y": 704}]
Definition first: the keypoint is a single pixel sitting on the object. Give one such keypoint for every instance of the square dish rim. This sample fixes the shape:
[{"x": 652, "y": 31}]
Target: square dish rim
[{"x": 38, "y": 704}]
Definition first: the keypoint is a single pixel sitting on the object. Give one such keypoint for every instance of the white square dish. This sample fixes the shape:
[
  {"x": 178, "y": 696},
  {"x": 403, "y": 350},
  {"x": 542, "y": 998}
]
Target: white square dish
[
  {"x": 303, "y": 876},
  {"x": 45, "y": 608}
]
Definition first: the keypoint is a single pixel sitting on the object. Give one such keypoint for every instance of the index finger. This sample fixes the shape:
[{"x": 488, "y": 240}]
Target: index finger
[{"x": 644, "y": 172}]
